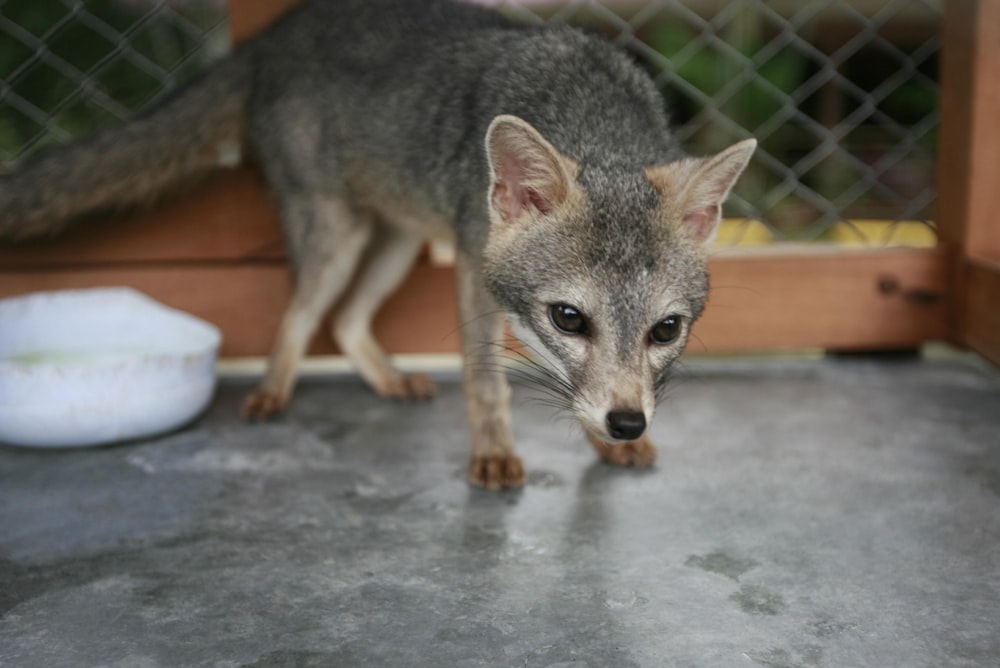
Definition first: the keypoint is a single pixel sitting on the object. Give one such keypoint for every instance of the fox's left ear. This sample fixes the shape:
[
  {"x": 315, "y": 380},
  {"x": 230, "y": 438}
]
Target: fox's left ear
[
  {"x": 529, "y": 178},
  {"x": 697, "y": 187}
]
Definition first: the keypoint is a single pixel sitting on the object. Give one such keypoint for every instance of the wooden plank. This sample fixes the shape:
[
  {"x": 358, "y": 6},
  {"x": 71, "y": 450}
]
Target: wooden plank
[
  {"x": 981, "y": 317},
  {"x": 246, "y": 300},
  {"x": 760, "y": 300},
  {"x": 826, "y": 298},
  {"x": 229, "y": 217}
]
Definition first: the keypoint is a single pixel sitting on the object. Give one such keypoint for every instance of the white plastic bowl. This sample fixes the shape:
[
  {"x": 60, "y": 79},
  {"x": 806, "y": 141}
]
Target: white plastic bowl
[{"x": 87, "y": 367}]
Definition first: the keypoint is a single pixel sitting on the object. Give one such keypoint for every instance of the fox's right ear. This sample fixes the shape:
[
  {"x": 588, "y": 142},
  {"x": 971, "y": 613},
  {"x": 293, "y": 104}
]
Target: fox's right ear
[
  {"x": 529, "y": 178},
  {"x": 697, "y": 187}
]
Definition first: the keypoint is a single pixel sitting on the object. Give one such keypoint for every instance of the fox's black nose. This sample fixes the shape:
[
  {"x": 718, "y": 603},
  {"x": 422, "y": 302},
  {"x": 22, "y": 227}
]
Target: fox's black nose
[{"x": 626, "y": 425}]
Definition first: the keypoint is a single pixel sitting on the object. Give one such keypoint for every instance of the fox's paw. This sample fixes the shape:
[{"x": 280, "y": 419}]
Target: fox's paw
[
  {"x": 417, "y": 386},
  {"x": 260, "y": 405},
  {"x": 631, "y": 453},
  {"x": 496, "y": 472}
]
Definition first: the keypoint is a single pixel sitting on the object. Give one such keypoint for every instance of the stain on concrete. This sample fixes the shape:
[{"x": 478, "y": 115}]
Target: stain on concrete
[
  {"x": 624, "y": 600},
  {"x": 986, "y": 472},
  {"x": 544, "y": 479},
  {"x": 722, "y": 563},
  {"x": 824, "y": 627},
  {"x": 799, "y": 656},
  {"x": 299, "y": 659},
  {"x": 759, "y": 600}
]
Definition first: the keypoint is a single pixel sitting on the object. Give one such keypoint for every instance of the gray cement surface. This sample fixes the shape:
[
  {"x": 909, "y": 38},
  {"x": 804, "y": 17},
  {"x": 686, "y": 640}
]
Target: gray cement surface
[{"x": 834, "y": 513}]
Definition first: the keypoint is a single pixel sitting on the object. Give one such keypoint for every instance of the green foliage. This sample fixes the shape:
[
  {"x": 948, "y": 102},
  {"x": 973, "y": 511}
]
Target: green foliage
[
  {"x": 713, "y": 70},
  {"x": 752, "y": 86}
]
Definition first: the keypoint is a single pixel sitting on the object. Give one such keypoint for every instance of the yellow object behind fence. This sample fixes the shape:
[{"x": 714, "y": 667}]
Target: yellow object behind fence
[{"x": 871, "y": 233}]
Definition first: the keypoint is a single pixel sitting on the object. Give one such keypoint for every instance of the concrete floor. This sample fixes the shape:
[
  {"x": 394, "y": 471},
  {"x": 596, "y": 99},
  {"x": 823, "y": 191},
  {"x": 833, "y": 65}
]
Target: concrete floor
[{"x": 808, "y": 513}]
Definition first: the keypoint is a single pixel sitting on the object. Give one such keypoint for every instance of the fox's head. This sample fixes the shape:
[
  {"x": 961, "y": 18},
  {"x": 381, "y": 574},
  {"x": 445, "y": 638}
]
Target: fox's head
[{"x": 602, "y": 269}]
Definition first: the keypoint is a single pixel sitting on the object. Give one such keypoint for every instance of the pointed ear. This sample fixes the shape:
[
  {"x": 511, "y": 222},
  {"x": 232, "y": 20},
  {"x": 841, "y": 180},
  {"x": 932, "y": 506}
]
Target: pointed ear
[
  {"x": 699, "y": 186},
  {"x": 528, "y": 176}
]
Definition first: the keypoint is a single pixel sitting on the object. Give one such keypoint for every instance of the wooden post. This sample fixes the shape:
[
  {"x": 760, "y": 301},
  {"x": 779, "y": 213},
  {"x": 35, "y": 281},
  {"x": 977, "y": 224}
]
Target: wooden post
[{"x": 969, "y": 169}]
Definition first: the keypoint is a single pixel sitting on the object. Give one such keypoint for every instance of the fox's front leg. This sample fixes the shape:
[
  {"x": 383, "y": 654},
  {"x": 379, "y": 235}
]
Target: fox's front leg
[{"x": 493, "y": 463}]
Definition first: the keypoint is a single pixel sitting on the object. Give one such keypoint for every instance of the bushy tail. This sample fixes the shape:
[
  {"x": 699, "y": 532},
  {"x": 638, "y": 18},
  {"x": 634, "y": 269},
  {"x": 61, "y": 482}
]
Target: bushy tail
[{"x": 192, "y": 132}]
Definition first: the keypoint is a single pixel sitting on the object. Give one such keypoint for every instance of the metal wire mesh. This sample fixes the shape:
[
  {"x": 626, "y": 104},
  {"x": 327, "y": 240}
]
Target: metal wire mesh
[
  {"x": 69, "y": 67},
  {"x": 841, "y": 94}
]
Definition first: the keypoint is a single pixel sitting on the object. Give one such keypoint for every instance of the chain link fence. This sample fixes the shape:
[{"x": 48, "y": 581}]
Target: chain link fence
[
  {"x": 69, "y": 68},
  {"x": 841, "y": 94}
]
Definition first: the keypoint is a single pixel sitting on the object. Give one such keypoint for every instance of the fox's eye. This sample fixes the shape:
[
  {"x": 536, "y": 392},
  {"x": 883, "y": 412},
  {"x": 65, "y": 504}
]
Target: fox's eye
[
  {"x": 567, "y": 319},
  {"x": 666, "y": 331}
]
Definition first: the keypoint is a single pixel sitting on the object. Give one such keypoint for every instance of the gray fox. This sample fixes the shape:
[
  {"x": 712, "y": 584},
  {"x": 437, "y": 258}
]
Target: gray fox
[{"x": 543, "y": 153}]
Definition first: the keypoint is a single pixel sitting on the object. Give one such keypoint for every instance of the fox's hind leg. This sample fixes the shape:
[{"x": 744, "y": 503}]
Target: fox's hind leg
[
  {"x": 387, "y": 262},
  {"x": 327, "y": 240}
]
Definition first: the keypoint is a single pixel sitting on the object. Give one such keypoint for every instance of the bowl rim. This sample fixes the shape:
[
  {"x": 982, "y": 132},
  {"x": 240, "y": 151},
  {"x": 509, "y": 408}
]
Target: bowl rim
[{"x": 208, "y": 337}]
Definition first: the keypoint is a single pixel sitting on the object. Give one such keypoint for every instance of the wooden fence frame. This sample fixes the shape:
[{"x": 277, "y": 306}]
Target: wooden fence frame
[
  {"x": 969, "y": 171},
  {"x": 218, "y": 253}
]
